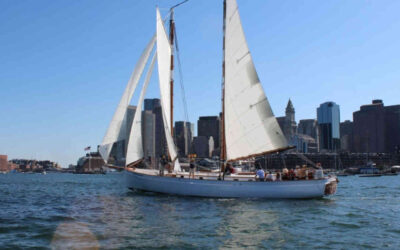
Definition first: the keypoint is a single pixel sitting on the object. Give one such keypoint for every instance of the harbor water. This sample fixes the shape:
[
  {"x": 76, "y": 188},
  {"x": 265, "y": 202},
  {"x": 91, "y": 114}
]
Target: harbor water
[{"x": 97, "y": 211}]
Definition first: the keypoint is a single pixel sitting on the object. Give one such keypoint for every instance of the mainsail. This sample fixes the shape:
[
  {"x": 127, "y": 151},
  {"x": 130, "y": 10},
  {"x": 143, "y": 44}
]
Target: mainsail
[
  {"x": 164, "y": 75},
  {"x": 134, "y": 151},
  {"x": 250, "y": 126},
  {"x": 117, "y": 128}
]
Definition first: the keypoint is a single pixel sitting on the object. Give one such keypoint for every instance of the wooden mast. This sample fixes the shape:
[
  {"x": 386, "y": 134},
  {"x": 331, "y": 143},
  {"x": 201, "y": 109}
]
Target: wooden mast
[
  {"x": 223, "y": 141},
  {"x": 171, "y": 40}
]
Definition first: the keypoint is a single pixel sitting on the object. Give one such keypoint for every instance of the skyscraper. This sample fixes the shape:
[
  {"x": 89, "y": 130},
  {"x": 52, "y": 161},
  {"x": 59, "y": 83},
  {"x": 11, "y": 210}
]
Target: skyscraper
[
  {"x": 377, "y": 128},
  {"x": 183, "y": 137},
  {"x": 154, "y": 105},
  {"x": 310, "y": 127},
  {"x": 290, "y": 116},
  {"x": 148, "y": 132},
  {"x": 288, "y": 123},
  {"x": 203, "y": 146},
  {"x": 151, "y": 104},
  {"x": 346, "y": 136},
  {"x": 118, "y": 150},
  {"x": 328, "y": 117},
  {"x": 209, "y": 126},
  {"x": 392, "y": 123},
  {"x": 130, "y": 115}
]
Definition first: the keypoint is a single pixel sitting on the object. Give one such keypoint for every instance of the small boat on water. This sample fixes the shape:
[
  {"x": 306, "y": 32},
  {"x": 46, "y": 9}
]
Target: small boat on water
[
  {"x": 249, "y": 128},
  {"x": 370, "y": 175},
  {"x": 390, "y": 174},
  {"x": 370, "y": 170}
]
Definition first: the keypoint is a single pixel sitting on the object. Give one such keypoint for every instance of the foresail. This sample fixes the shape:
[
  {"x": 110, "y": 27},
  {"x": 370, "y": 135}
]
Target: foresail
[
  {"x": 250, "y": 125},
  {"x": 164, "y": 66},
  {"x": 164, "y": 75},
  {"x": 134, "y": 151},
  {"x": 117, "y": 128}
]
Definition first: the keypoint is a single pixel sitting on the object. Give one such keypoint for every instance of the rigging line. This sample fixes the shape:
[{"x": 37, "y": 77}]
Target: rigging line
[
  {"x": 303, "y": 157},
  {"x": 176, "y": 5},
  {"x": 185, "y": 109}
]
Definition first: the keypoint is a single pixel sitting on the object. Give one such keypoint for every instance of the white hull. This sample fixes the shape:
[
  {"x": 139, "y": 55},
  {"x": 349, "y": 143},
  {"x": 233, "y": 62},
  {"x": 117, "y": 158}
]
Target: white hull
[{"x": 229, "y": 189}]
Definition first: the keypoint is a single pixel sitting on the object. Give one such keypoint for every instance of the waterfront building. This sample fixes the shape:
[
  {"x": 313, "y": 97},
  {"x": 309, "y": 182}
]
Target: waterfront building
[
  {"x": 183, "y": 137},
  {"x": 203, "y": 146},
  {"x": 192, "y": 133},
  {"x": 304, "y": 143},
  {"x": 392, "y": 123},
  {"x": 154, "y": 106},
  {"x": 130, "y": 114},
  {"x": 160, "y": 141},
  {"x": 117, "y": 154},
  {"x": 3, "y": 163},
  {"x": 209, "y": 126},
  {"x": 288, "y": 123},
  {"x": 148, "y": 132},
  {"x": 369, "y": 128},
  {"x": 92, "y": 163},
  {"x": 118, "y": 150},
  {"x": 309, "y": 127},
  {"x": 346, "y": 136},
  {"x": 25, "y": 165},
  {"x": 377, "y": 128},
  {"x": 328, "y": 117},
  {"x": 211, "y": 146}
]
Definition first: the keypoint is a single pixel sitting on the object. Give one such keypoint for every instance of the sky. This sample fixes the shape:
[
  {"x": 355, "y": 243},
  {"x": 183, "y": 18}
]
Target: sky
[{"x": 64, "y": 64}]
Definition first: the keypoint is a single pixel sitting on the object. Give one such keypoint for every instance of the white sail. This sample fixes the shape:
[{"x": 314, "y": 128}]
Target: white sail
[
  {"x": 164, "y": 66},
  {"x": 164, "y": 75},
  {"x": 134, "y": 151},
  {"x": 117, "y": 128},
  {"x": 250, "y": 125}
]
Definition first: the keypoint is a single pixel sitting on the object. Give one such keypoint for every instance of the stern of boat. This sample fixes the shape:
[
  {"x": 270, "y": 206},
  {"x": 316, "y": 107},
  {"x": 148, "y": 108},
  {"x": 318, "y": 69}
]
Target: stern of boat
[{"x": 331, "y": 185}]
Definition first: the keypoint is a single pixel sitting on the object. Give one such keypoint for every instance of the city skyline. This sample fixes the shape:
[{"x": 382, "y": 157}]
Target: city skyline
[{"x": 66, "y": 64}]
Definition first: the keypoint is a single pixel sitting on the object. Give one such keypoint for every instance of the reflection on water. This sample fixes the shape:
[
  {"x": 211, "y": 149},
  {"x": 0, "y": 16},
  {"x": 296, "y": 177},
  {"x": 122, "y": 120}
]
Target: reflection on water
[
  {"x": 71, "y": 235},
  {"x": 97, "y": 211},
  {"x": 245, "y": 226}
]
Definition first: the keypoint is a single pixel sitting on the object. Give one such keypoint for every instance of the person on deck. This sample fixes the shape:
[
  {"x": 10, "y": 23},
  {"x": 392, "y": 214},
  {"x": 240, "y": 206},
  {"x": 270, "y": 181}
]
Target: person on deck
[
  {"x": 229, "y": 169},
  {"x": 260, "y": 174},
  {"x": 296, "y": 171},
  {"x": 311, "y": 174},
  {"x": 302, "y": 172},
  {"x": 169, "y": 166},
  {"x": 163, "y": 162},
  {"x": 285, "y": 174},
  {"x": 269, "y": 176},
  {"x": 305, "y": 169},
  {"x": 292, "y": 175},
  {"x": 278, "y": 176},
  {"x": 319, "y": 173}
]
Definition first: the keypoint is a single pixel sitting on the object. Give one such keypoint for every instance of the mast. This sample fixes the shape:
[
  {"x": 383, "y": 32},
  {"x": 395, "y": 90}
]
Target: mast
[
  {"x": 171, "y": 40},
  {"x": 223, "y": 141}
]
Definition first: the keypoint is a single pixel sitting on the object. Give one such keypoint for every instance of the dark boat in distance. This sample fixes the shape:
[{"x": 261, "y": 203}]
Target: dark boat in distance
[{"x": 370, "y": 175}]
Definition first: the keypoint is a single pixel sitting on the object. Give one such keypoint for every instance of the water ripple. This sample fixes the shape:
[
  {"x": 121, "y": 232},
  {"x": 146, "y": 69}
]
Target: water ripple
[{"x": 96, "y": 211}]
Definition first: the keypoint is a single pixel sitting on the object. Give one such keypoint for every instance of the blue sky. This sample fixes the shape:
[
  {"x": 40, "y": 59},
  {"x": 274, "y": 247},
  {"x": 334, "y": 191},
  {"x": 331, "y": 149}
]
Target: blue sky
[{"x": 65, "y": 64}]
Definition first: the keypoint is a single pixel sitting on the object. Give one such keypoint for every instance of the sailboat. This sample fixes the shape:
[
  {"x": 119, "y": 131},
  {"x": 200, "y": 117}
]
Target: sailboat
[{"x": 249, "y": 128}]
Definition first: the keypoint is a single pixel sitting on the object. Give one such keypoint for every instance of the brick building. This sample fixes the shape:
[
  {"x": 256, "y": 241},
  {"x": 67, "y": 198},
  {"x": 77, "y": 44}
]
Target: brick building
[
  {"x": 3, "y": 163},
  {"x": 377, "y": 128}
]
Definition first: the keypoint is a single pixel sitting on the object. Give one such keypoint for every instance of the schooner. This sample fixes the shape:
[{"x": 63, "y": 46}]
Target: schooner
[{"x": 249, "y": 128}]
